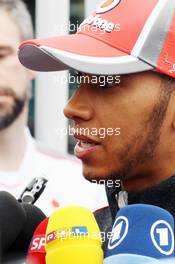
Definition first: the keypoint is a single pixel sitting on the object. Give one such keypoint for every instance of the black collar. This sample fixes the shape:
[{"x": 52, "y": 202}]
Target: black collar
[{"x": 162, "y": 195}]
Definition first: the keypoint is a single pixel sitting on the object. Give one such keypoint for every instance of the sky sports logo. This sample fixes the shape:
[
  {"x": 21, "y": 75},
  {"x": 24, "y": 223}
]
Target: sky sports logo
[{"x": 67, "y": 233}]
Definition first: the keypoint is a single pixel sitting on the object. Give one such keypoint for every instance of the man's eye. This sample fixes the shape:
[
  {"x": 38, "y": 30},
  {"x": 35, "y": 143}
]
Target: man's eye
[
  {"x": 2, "y": 56},
  {"x": 5, "y": 53}
]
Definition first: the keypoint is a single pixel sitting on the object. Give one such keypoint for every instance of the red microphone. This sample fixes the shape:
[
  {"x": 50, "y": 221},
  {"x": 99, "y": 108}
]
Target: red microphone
[{"x": 37, "y": 253}]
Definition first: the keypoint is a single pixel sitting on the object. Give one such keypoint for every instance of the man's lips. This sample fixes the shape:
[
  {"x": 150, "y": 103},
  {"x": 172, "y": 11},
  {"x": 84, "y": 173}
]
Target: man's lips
[
  {"x": 85, "y": 145},
  {"x": 87, "y": 139}
]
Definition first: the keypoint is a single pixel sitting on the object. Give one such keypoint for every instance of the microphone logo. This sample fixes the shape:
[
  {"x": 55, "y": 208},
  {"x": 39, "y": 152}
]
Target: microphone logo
[
  {"x": 79, "y": 231},
  {"x": 162, "y": 237},
  {"x": 67, "y": 233},
  {"x": 38, "y": 244},
  {"x": 119, "y": 232}
]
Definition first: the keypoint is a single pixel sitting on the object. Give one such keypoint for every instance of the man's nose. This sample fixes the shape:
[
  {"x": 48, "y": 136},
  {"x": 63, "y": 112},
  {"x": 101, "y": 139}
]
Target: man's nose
[{"x": 78, "y": 107}]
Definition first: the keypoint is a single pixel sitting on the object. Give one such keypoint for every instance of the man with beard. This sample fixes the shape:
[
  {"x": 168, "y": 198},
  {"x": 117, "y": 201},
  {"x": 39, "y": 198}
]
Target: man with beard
[
  {"x": 142, "y": 105},
  {"x": 21, "y": 160}
]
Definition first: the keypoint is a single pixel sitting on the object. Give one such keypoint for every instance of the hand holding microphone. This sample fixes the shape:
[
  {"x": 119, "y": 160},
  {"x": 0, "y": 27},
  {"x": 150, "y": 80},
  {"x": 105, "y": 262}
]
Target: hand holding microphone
[{"x": 141, "y": 234}]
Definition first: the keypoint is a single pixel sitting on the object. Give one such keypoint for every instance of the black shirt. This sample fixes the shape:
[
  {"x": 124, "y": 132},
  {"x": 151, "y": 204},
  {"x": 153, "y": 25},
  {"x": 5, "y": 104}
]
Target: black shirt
[{"x": 162, "y": 195}]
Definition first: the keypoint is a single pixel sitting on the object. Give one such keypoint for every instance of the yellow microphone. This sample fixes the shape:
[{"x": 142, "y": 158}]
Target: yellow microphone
[{"x": 73, "y": 237}]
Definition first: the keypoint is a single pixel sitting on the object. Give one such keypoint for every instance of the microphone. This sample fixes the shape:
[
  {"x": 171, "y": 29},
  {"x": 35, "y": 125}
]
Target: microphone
[
  {"x": 37, "y": 253},
  {"x": 73, "y": 236},
  {"x": 12, "y": 219},
  {"x": 130, "y": 259},
  {"x": 168, "y": 261},
  {"x": 141, "y": 234},
  {"x": 19, "y": 248},
  {"x": 33, "y": 190},
  {"x": 17, "y": 224}
]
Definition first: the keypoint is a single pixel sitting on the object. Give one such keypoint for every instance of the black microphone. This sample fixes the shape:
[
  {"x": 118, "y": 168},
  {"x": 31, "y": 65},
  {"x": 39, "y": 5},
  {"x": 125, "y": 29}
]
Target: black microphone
[
  {"x": 12, "y": 219},
  {"x": 19, "y": 248}
]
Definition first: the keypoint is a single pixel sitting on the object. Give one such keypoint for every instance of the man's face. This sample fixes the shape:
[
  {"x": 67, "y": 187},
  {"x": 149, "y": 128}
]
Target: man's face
[
  {"x": 13, "y": 76},
  {"x": 136, "y": 107}
]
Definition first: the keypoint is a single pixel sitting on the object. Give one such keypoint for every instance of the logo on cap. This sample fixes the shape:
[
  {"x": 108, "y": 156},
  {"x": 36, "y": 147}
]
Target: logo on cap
[
  {"x": 119, "y": 232},
  {"x": 107, "y": 5},
  {"x": 162, "y": 237}
]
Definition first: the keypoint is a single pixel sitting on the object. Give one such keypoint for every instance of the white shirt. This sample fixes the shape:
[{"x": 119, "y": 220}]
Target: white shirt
[{"x": 66, "y": 185}]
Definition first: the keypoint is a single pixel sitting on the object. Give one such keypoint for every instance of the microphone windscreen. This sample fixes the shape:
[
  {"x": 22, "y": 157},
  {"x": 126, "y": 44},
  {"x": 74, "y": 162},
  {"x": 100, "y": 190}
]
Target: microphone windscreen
[
  {"x": 34, "y": 216},
  {"x": 130, "y": 259},
  {"x": 144, "y": 230},
  {"x": 12, "y": 219},
  {"x": 168, "y": 261},
  {"x": 37, "y": 253},
  {"x": 73, "y": 236}
]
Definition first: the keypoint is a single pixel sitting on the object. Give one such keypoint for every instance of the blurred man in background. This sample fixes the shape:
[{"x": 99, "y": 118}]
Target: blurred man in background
[{"x": 20, "y": 159}]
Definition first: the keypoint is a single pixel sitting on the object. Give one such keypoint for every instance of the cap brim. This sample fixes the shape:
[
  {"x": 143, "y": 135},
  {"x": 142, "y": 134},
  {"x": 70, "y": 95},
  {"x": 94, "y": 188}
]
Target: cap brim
[{"x": 80, "y": 52}]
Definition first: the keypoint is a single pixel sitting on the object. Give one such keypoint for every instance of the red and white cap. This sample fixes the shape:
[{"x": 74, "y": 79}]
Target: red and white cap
[{"x": 120, "y": 37}]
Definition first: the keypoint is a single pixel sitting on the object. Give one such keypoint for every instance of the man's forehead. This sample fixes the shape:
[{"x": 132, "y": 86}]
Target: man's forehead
[{"x": 10, "y": 37}]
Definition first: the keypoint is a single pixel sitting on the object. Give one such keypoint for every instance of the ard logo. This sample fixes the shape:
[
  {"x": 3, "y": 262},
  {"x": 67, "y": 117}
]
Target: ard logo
[
  {"x": 119, "y": 232},
  {"x": 162, "y": 236},
  {"x": 107, "y": 5}
]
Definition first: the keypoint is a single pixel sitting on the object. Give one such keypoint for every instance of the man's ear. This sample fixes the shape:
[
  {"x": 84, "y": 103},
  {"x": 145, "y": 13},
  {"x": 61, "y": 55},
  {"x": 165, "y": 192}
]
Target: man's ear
[{"x": 32, "y": 75}]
